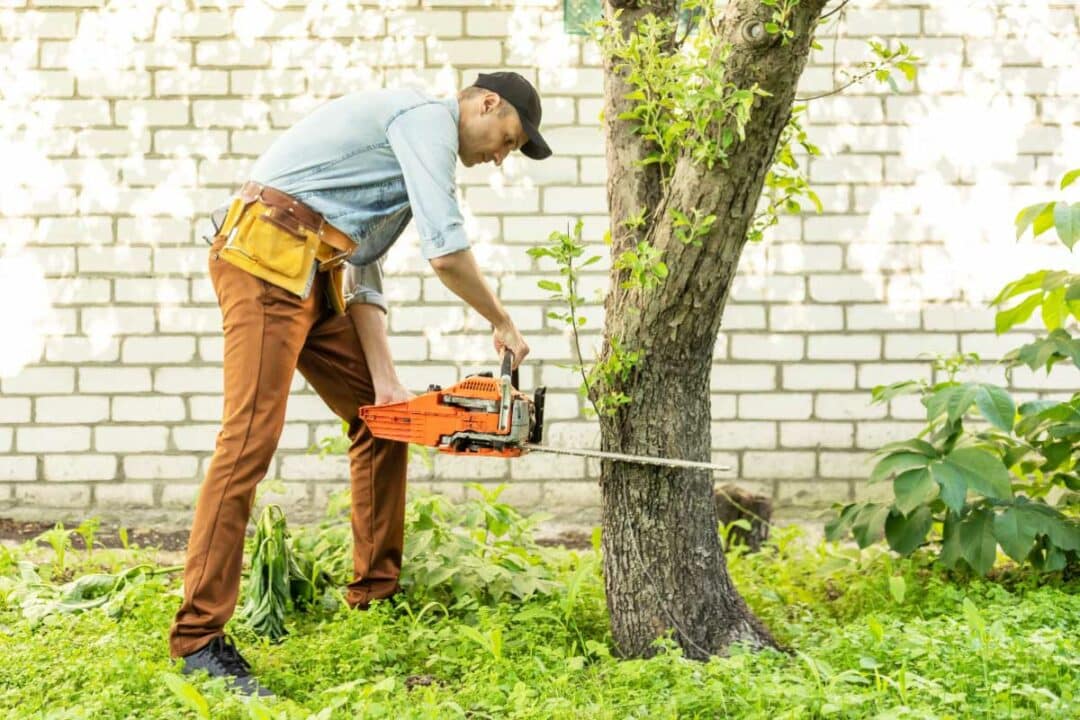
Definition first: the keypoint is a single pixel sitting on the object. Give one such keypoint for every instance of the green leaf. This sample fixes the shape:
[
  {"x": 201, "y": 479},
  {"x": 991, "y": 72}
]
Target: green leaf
[
  {"x": 1015, "y": 533},
  {"x": 884, "y": 393},
  {"x": 1031, "y": 281},
  {"x": 961, "y": 398},
  {"x": 1026, "y": 216},
  {"x": 1062, "y": 532},
  {"x": 1054, "y": 309},
  {"x": 1069, "y": 178},
  {"x": 977, "y": 543},
  {"x": 953, "y": 486},
  {"x": 913, "y": 489},
  {"x": 1044, "y": 220},
  {"x": 870, "y": 524},
  {"x": 187, "y": 694},
  {"x": 838, "y": 527},
  {"x": 982, "y": 471},
  {"x": 897, "y": 463},
  {"x": 549, "y": 285},
  {"x": 914, "y": 445},
  {"x": 1067, "y": 222},
  {"x": 996, "y": 406},
  {"x": 906, "y": 533},
  {"x": 1007, "y": 319},
  {"x": 950, "y": 541}
]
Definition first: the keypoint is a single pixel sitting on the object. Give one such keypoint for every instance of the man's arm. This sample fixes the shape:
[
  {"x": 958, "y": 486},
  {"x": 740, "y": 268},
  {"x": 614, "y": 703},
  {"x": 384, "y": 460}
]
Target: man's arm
[
  {"x": 425, "y": 141},
  {"x": 459, "y": 272},
  {"x": 366, "y": 307},
  {"x": 370, "y": 324}
]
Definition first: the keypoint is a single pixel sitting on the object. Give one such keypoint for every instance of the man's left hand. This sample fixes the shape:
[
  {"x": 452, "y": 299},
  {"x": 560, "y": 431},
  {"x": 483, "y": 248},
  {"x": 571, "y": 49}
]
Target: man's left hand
[{"x": 392, "y": 393}]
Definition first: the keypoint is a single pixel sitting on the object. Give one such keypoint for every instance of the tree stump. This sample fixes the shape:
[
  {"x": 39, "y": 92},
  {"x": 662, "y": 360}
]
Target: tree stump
[{"x": 733, "y": 503}]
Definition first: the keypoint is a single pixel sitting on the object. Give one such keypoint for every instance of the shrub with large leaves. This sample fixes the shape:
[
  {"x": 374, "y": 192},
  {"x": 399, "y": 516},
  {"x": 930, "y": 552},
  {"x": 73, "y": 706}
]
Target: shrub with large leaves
[{"x": 1012, "y": 480}]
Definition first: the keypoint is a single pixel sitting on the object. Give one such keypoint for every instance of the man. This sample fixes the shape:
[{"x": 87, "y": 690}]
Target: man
[{"x": 340, "y": 184}]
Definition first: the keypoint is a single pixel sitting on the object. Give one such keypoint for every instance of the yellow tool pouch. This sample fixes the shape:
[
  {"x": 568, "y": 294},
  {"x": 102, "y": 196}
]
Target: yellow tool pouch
[{"x": 269, "y": 243}]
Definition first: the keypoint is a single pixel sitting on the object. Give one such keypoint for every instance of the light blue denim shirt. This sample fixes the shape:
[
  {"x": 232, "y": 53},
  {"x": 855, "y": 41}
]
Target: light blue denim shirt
[{"x": 369, "y": 162}]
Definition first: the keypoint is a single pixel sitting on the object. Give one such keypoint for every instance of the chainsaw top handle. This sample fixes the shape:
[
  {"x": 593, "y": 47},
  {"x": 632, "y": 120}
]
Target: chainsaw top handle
[{"x": 508, "y": 367}]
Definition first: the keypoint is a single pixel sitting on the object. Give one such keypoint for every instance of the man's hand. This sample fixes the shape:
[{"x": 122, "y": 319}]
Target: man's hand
[
  {"x": 391, "y": 393},
  {"x": 507, "y": 337}
]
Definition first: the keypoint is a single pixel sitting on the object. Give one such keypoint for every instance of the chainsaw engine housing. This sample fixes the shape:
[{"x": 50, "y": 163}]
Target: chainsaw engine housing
[{"x": 481, "y": 415}]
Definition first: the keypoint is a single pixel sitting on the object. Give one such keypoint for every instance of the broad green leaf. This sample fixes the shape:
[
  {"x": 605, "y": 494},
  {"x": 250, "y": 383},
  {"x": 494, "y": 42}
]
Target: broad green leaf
[
  {"x": 1054, "y": 310},
  {"x": 1055, "y": 559},
  {"x": 953, "y": 486},
  {"x": 1065, "y": 430},
  {"x": 838, "y": 527},
  {"x": 982, "y": 471},
  {"x": 1007, "y": 319},
  {"x": 996, "y": 406},
  {"x": 1044, "y": 220},
  {"x": 1031, "y": 281},
  {"x": 1034, "y": 407},
  {"x": 1067, "y": 222},
  {"x": 950, "y": 541},
  {"x": 870, "y": 524},
  {"x": 1063, "y": 532},
  {"x": 906, "y": 533},
  {"x": 977, "y": 543},
  {"x": 914, "y": 445},
  {"x": 1069, "y": 178},
  {"x": 187, "y": 694},
  {"x": 914, "y": 488},
  {"x": 549, "y": 285},
  {"x": 1015, "y": 533},
  {"x": 884, "y": 393},
  {"x": 962, "y": 398},
  {"x": 897, "y": 463},
  {"x": 1026, "y": 216}
]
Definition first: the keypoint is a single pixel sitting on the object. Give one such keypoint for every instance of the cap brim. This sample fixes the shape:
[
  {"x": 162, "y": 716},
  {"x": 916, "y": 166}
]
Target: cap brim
[{"x": 536, "y": 148}]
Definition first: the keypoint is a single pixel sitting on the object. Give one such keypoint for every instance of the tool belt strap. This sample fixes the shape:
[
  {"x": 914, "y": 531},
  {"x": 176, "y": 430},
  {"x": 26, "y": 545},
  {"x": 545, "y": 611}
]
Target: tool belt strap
[{"x": 341, "y": 245}]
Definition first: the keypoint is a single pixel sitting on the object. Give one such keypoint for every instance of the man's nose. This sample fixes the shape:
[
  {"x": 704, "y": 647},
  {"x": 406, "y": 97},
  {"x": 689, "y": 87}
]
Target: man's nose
[{"x": 499, "y": 156}]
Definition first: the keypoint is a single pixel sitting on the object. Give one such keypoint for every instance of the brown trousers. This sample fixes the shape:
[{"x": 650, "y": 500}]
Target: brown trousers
[{"x": 269, "y": 333}]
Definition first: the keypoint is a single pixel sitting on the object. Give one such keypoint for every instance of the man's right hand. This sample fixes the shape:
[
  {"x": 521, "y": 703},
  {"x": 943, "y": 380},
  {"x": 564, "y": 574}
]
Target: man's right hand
[{"x": 507, "y": 337}]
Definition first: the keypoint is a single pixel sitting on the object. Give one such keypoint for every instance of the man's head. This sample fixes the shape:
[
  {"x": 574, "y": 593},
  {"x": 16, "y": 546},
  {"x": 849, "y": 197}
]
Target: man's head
[{"x": 500, "y": 113}]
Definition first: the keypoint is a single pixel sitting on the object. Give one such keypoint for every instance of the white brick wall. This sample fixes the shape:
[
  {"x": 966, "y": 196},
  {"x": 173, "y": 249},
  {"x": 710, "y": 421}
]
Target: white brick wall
[{"x": 128, "y": 144}]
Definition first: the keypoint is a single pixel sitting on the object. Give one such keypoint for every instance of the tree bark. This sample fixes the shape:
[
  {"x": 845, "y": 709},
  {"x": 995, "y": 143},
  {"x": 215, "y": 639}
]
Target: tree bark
[{"x": 664, "y": 567}]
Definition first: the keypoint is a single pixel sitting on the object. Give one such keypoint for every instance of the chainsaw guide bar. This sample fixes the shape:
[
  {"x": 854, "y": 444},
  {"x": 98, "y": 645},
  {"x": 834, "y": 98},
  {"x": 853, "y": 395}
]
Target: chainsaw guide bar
[{"x": 488, "y": 416}]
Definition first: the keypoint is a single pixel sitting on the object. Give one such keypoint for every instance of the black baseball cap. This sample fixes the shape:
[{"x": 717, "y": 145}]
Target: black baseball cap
[{"x": 520, "y": 93}]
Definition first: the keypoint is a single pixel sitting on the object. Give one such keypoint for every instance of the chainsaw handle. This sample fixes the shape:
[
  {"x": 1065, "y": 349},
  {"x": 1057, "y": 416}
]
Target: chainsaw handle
[{"x": 508, "y": 367}]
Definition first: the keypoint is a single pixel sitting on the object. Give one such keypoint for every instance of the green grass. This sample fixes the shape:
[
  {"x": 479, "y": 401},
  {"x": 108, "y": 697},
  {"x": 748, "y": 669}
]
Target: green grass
[{"x": 871, "y": 636}]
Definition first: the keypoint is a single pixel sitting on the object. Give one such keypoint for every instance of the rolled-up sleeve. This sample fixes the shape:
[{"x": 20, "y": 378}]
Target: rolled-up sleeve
[
  {"x": 425, "y": 141},
  {"x": 363, "y": 285}
]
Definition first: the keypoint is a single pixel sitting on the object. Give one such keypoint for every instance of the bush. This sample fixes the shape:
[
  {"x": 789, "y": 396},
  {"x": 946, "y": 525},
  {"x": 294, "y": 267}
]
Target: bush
[{"x": 1011, "y": 482}]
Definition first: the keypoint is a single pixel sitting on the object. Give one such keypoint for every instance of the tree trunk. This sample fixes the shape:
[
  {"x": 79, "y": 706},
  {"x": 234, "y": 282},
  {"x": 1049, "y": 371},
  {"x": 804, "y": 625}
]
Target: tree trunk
[{"x": 664, "y": 567}]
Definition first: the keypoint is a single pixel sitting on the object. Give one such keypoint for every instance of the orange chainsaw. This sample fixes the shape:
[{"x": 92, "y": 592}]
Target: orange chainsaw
[
  {"x": 487, "y": 416},
  {"x": 481, "y": 415}
]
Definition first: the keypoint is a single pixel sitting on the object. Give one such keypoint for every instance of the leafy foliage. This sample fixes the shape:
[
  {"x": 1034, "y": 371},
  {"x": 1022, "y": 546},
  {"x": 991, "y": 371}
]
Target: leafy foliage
[
  {"x": 1012, "y": 484},
  {"x": 600, "y": 380},
  {"x": 871, "y": 636}
]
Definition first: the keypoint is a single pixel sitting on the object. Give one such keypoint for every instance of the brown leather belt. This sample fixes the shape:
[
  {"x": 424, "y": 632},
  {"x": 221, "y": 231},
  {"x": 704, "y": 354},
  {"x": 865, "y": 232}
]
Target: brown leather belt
[{"x": 272, "y": 197}]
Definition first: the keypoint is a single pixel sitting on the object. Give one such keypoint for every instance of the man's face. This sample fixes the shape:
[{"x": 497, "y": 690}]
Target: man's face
[{"x": 489, "y": 131}]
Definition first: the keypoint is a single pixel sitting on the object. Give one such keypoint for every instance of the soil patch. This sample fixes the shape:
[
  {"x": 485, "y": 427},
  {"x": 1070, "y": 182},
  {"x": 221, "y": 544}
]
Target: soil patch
[{"x": 106, "y": 536}]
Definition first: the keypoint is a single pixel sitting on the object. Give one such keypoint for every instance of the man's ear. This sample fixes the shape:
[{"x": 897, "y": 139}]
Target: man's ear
[{"x": 490, "y": 102}]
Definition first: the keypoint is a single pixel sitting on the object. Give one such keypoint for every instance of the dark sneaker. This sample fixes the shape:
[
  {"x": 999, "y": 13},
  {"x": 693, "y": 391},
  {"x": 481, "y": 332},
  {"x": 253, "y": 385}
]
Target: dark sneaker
[{"x": 221, "y": 659}]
